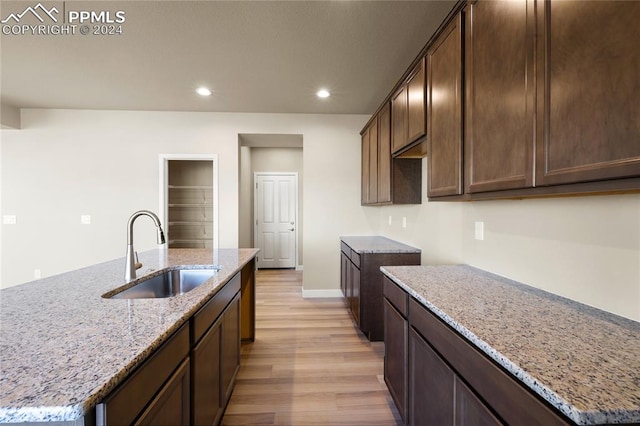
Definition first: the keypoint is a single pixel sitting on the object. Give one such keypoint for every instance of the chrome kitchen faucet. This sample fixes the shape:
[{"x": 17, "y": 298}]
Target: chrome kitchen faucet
[{"x": 131, "y": 262}]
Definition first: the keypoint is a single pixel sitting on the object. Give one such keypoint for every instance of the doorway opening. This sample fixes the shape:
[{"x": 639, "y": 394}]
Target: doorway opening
[{"x": 189, "y": 200}]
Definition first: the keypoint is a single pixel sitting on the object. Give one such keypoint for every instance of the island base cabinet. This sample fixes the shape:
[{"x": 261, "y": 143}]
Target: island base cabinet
[
  {"x": 395, "y": 356},
  {"x": 207, "y": 402},
  {"x": 171, "y": 406},
  {"x": 470, "y": 411}
]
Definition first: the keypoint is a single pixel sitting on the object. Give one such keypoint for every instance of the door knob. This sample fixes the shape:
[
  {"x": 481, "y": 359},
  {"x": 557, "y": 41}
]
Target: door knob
[{"x": 291, "y": 229}]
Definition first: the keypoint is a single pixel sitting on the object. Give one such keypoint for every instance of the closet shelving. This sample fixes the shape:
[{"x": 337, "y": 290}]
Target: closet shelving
[{"x": 190, "y": 204}]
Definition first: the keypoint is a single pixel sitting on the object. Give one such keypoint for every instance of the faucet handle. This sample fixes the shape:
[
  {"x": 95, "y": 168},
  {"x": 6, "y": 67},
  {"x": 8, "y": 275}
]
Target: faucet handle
[{"x": 137, "y": 264}]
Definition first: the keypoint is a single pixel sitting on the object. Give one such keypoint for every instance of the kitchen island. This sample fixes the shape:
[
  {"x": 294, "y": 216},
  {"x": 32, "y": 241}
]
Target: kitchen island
[
  {"x": 512, "y": 351},
  {"x": 64, "y": 347}
]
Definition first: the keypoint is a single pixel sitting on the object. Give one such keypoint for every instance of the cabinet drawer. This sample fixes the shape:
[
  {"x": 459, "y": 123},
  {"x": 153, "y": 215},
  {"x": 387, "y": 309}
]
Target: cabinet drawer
[
  {"x": 124, "y": 404},
  {"x": 396, "y": 296},
  {"x": 355, "y": 258},
  {"x": 510, "y": 399},
  {"x": 207, "y": 315}
]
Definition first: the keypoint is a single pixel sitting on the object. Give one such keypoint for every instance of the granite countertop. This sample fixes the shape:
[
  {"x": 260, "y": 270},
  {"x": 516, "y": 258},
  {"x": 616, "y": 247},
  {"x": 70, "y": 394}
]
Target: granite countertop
[
  {"x": 584, "y": 361},
  {"x": 63, "y": 347},
  {"x": 375, "y": 244}
]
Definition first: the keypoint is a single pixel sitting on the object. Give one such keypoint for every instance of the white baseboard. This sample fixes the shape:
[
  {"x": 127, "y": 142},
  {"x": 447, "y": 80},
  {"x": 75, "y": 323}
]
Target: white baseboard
[
  {"x": 299, "y": 268},
  {"x": 310, "y": 294}
]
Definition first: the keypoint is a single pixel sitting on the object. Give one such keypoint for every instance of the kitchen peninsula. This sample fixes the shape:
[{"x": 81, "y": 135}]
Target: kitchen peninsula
[{"x": 65, "y": 348}]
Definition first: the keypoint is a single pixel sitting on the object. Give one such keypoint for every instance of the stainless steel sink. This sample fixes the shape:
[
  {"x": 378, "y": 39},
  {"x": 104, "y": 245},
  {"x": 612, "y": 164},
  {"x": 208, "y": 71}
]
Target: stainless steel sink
[{"x": 167, "y": 284}]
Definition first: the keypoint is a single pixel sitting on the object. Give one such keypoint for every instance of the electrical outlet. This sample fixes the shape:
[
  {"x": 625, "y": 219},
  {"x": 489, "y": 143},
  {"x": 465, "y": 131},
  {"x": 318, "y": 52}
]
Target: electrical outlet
[
  {"x": 390, "y": 220},
  {"x": 479, "y": 231},
  {"x": 37, "y": 274},
  {"x": 404, "y": 222},
  {"x": 9, "y": 219},
  {"x": 85, "y": 219}
]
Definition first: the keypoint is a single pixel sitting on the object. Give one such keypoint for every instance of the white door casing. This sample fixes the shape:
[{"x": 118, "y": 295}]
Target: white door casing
[{"x": 275, "y": 214}]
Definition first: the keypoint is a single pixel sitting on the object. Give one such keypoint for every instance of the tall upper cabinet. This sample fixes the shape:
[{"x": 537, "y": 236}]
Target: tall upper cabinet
[
  {"x": 444, "y": 111},
  {"x": 588, "y": 91},
  {"x": 499, "y": 104},
  {"x": 408, "y": 110}
]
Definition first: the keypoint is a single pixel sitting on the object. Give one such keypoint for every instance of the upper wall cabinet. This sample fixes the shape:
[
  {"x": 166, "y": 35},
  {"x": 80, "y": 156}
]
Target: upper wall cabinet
[
  {"x": 444, "y": 70},
  {"x": 387, "y": 180},
  {"x": 499, "y": 105},
  {"x": 588, "y": 91},
  {"x": 408, "y": 110}
]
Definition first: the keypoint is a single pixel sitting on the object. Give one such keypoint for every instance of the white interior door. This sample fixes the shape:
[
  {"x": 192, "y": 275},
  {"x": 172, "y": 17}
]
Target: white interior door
[{"x": 275, "y": 205}]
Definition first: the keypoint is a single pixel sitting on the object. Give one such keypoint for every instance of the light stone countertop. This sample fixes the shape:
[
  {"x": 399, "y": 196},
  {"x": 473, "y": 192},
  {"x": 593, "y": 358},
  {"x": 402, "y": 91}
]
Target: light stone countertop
[
  {"x": 584, "y": 361},
  {"x": 376, "y": 244},
  {"x": 63, "y": 347}
]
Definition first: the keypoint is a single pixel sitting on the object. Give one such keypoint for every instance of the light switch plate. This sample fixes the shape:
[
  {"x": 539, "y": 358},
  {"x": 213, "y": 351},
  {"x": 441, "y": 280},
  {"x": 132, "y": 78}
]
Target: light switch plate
[
  {"x": 479, "y": 231},
  {"x": 9, "y": 219},
  {"x": 390, "y": 220},
  {"x": 85, "y": 219},
  {"x": 404, "y": 222}
]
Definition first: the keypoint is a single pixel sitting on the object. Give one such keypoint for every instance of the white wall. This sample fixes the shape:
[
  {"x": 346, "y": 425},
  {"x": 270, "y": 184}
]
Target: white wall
[
  {"x": 64, "y": 163},
  {"x": 583, "y": 248}
]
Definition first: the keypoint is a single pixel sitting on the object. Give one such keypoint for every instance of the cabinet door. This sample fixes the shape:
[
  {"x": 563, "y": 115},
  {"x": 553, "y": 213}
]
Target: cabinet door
[
  {"x": 365, "y": 168},
  {"x": 415, "y": 103},
  {"x": 171, "y": 407},
  {"x": 470, "y": 410},
  {"x": 344, "y": 274},
  {"x": 230, "y": 353},
  {"x": 444, "y": 71},
  {"x": 396, "y": 331},
  {"x": 499, "y": 109},
  {"x": 384, "y": 155},
  {"x": 399, "y": 119},
  {"x": 355, "y": 291},
  {"x": 207, "y": 403},
  {"x": 431, "y": 385},
  {"x": 588, "y": 109},
  {"x": 373, "y": 162}
]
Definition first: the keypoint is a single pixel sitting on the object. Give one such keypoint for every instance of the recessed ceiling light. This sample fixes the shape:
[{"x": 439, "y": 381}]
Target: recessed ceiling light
[
  {"x": 203, "y": 91},
  {"x": 323, "y": 93}
]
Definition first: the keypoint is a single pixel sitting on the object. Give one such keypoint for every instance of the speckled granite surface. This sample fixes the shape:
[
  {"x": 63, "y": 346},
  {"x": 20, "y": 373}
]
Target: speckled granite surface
[
  {"x": 376, "y": 244},
  {"x": 584, "y": 361},
  {"x": 63, "y": 347}
]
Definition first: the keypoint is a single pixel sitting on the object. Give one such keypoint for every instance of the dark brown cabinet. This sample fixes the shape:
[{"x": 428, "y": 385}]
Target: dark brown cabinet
[
  {"x": 361, "y": 282},
  {"x": 387, "y": 180},
  {"x": 588, "y": 90},
  {"x": 230, "y": 352},
  {"x": 396, "y": 345},
  {"x": 408, "y": 110},
  {"x": 171, "y": 406},
  {"x": 154, "y": 392},
  {"x": 370, "y": 164},
  {"x": 207, "y": 402},
  {"x": 444, "y": 70},
  {"x": 499, "y": 88},
  {"x": 450, "y": 381}
]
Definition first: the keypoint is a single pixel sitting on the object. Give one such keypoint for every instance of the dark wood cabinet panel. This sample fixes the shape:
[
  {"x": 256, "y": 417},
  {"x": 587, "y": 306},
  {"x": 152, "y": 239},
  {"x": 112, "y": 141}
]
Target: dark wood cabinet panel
[
  {"x": 373, "y": 163},
  {"x": 470, "y": 410},
  {"x": 396, "y": 329},
  {"x": 344, "y": 276},
  {"x": 499, "y": 87},
  {"x": 431, "y": 384},
  {"x": 444, "y": 73},
  {"x": 588, "y": 88},
  {"x": 171, "y": 407},
  {"x": 399, "y": 119},
  {"x": 230, "y": 352},
  {"x": 365, "y": 168},
  {"x": 354, "y": 283},
  {"x": 384, "y": 155},
  {"x": 416, "y": 104},
  {"x": 207, "y": 401}
]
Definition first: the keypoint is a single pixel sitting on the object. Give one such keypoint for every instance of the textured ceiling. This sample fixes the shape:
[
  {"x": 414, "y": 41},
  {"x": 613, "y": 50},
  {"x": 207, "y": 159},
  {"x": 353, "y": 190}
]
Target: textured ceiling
[{"x": 257, "y": 56}]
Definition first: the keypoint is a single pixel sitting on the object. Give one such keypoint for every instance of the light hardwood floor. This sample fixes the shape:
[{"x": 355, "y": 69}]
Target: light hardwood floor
[{"x": 308, "y": 365}]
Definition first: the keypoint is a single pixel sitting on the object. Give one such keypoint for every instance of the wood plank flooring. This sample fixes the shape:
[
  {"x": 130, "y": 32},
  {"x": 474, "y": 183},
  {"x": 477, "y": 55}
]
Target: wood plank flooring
[{"x": 309, "y": 365}]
